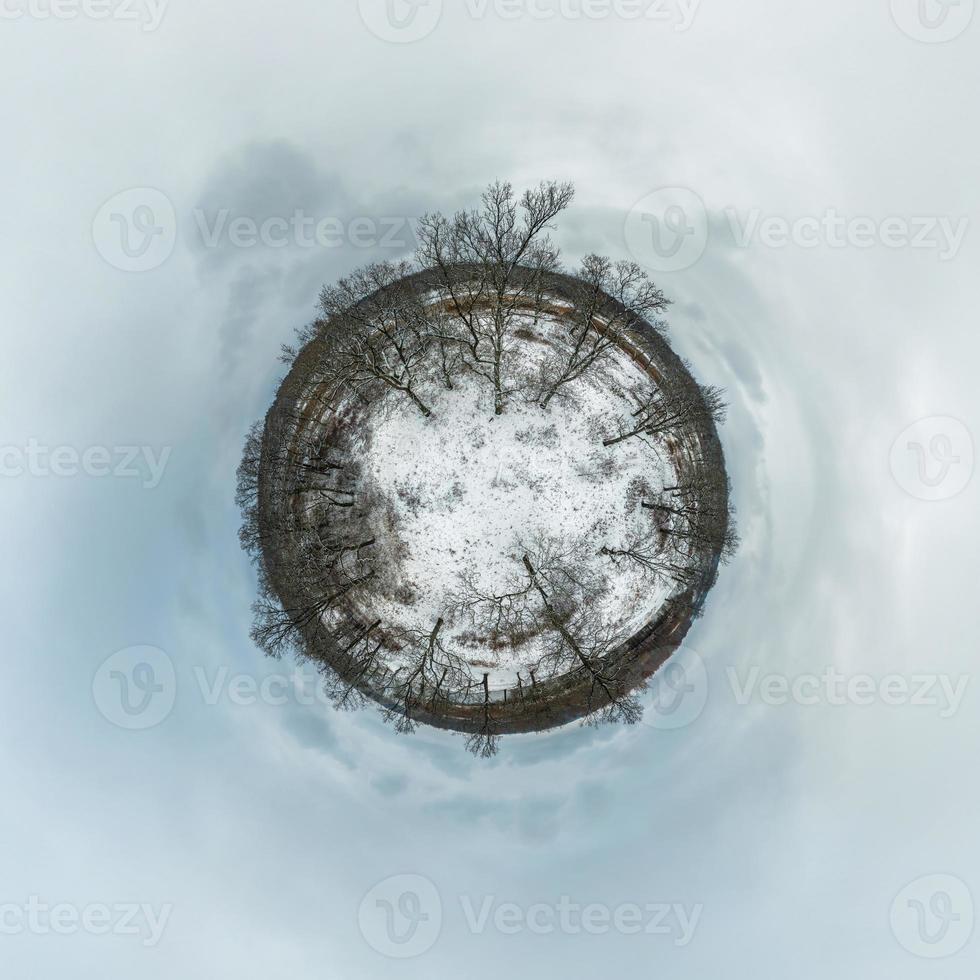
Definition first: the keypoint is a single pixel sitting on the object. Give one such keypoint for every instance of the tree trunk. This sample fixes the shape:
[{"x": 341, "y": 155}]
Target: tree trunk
[
  {"x": 422, "y": 407},
  {"x": 628, "y": 435}
]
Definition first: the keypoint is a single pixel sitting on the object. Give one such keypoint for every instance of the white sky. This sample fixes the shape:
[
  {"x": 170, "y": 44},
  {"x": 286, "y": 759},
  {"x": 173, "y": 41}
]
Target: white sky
[{"x": 795, "y": 825}]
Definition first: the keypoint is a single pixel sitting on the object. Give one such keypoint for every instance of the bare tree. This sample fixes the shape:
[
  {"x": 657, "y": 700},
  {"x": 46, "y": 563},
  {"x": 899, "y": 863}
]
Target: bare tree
[
  {"x": 659, "y": 412},
  {"x": 277, "y": 629},
  {"x": 580, "y": 641},
  {"x": 324, "y": 493},
  {"x": 699, "y": 515},
  {"x": 694, "y": 525},
  {"x": 489, "y": 264},
  {"x": 556, "y": 598},
  {"x": 596, "y": 325},
  {"x": 430, "y": 677},
  {"x": 449, "y": 355},
  {"x": 375, "y": 331},
  {"x": 512, "y": 612},
  {"x": 661, "y": 564},
  {"x": 247, "y": 492},
  {"x": 318, "y": 575},
  {"x": 495, "y": 615},
  {"x": 362, "y": 648},
  {"x": 485, "y": 741}
]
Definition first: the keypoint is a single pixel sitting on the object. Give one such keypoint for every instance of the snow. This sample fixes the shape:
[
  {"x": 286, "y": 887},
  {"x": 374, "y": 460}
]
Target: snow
[{"x": 462, "y": 494}]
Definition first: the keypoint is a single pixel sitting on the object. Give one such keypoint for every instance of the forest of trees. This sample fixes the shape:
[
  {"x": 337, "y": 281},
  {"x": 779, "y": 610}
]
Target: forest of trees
[{"x": 401, "y": 330}]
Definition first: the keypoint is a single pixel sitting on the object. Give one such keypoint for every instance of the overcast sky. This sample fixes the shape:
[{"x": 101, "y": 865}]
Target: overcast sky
[{"x": 800, "y": 178}]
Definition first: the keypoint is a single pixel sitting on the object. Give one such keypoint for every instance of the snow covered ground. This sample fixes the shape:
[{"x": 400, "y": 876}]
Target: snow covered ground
[{"x": 461, "y": 496}]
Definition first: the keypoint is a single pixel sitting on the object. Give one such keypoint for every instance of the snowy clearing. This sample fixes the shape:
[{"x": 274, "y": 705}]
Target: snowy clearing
[{"x": 461, "y": 496}]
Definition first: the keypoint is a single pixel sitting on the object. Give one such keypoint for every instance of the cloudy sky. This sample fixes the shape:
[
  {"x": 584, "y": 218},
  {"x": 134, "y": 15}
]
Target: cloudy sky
[{"x": 179, "y": 180}]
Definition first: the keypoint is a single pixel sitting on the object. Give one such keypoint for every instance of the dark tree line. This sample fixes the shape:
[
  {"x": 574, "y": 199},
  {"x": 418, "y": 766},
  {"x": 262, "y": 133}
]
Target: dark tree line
[
  {"x": 460, "y": 304},
  {"x": 693, "y": 527},
  {"x": 377, "y": 331},
  {"x": 492, "y": 266},
  {"x": 460, "y": 308},
  {"x": 660, "y": 411},
  {"x": 554, "y": 597},
  {"x": 594, "y": 324}
]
